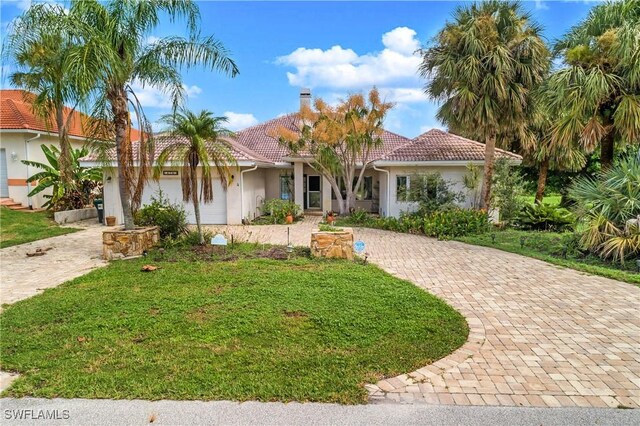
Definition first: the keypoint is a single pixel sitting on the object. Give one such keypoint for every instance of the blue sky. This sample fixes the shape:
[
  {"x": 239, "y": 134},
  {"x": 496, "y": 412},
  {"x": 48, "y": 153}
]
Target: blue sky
[{"x": 335, "y": 48}]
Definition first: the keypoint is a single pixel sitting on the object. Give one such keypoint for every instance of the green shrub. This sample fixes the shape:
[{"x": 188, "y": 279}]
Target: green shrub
[
  {"x": 609, "y": 205},
  {"x": 329, "y": 228},
  {"x": 170, "y": 218},
  {"x": 192, "y": 238},
  {"x": 545, "y": 217},
  {"x": 359, "y": 216},
  {"x": 455, "y": 223},
  {"x": 279, "y": 209},
  {"x": 507, "y": 192},
  {"x": 433, "y": 193}
]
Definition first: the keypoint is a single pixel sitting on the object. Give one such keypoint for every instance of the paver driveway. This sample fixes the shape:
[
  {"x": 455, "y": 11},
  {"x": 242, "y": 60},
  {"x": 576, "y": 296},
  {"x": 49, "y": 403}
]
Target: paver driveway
[
  {"x": 71, "y": 256},
  {"x": 540, "y": 335}
]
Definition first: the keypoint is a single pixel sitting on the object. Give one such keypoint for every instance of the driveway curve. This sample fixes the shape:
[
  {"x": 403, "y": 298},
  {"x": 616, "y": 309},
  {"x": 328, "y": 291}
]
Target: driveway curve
[{"x": 540, "y": 335}]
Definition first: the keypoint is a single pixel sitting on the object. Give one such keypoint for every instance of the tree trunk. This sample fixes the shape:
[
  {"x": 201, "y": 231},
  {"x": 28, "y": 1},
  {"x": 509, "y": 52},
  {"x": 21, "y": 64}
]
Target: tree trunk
[
  {"x": 196, "y": 202},
  {"x": 543, "y": 170},
  {"x": 489, "y": 156},
  {"x": 341, "y": 202},
  {"x": 606, "y": 150},
  {"x": 64, "y": 162},
  {"x": 118, "y": 101}
]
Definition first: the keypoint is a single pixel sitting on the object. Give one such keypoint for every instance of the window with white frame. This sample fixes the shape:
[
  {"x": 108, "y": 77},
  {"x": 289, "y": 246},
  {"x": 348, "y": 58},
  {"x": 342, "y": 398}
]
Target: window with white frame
[
  {"x": 286, "y": 190},
  {"x": 403, "y": 184}
]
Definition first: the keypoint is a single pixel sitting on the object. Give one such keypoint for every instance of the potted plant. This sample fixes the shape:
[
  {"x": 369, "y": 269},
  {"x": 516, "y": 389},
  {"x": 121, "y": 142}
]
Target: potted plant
[
  {"x": 289, "y": 217},
  {"x": 330, "y": 217}
]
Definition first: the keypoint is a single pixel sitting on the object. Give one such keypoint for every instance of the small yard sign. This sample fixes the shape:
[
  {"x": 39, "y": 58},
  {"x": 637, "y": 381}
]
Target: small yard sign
[
  {"x": 170, "y": 173},
  {"x": 358, "y": 246},
  {"x": 219, "y": 240}
]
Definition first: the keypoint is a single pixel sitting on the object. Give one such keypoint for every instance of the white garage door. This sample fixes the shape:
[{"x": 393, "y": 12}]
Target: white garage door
[
  {"x": 214, "y": 213},
  {"x": 4, "y": 180}
]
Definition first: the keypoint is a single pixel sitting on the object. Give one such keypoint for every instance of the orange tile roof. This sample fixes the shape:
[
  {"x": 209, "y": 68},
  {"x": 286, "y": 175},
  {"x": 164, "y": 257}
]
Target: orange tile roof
[
  {"x": 438, "y": 145},
  {"x": 161, "y": 141},
  {"x": 258, "y": 138},
  {"x": 16, "y": 112}
]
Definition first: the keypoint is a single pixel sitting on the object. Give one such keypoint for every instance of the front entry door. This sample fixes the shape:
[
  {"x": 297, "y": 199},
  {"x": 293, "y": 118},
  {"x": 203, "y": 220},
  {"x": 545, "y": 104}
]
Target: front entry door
[{"x": 314, "y": 192}]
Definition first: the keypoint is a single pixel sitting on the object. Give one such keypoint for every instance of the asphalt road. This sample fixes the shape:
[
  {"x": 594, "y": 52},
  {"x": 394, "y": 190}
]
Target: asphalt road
[{"x": 29, "y": 411}]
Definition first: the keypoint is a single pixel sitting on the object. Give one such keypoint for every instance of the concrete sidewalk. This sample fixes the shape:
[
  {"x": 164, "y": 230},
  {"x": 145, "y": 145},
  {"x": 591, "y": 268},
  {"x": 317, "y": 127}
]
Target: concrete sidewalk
[{"x": 109, "y": 412}]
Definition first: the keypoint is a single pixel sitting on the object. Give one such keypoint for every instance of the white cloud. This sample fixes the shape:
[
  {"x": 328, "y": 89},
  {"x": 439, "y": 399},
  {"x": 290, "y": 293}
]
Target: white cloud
[
  {"x": 342, "y": 68},
  {"x": 192, "y": 91},
  {"x": 152, "y": 40},
  {"x": 541, "y": 5},
  {"x": 238, "y": 121},
  {"x": 402, "y": 95},
  {"x": 153, "y": 97},
  {"x": 401, "y": 40}
]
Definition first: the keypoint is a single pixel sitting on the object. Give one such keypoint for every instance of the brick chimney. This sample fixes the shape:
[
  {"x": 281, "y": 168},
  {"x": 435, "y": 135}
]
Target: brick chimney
[{"x": 305, "y": 98}]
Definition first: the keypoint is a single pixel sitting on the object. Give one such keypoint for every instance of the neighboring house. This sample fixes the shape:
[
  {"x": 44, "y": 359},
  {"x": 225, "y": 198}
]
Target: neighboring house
[
  {"x": 267, "y": 170},
  {"x": 22, "y": 133}
]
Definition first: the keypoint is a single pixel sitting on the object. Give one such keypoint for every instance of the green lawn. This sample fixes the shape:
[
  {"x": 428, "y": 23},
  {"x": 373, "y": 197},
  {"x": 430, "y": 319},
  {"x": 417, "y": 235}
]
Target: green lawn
[
  {"x": 551, "y": 199},
  {"x": 548, "y": 246},
  {"x": 240, "y": 325},
  {"x": 18, "y": 227}
]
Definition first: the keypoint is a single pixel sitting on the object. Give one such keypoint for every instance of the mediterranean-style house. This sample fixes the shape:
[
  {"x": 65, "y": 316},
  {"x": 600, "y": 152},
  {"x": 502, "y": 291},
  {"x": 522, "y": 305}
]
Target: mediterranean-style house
[
  {"x": 266, "y": 170},
  {"x": 22, "y": 132}
]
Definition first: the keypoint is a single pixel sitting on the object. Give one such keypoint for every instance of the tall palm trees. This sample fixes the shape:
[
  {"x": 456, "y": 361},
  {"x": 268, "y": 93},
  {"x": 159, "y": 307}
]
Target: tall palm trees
[
  {"x": 194, "y": 142},
  {"x": 123, "y": 27},
  {"x": 483, "y": 66},
  {"x": 597, "y": 95},
  {"x": 44, "y": 46}
]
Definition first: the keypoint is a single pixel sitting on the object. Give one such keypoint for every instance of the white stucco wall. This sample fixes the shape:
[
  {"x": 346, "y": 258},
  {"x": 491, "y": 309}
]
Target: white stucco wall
[
  {"x": 171, "y": 189},
  {"x": 272, "y": 182},
  {"x": 254, "y": 193},
  {"x": 452, "y": 174},
  {"x": 17, "y": 150}
]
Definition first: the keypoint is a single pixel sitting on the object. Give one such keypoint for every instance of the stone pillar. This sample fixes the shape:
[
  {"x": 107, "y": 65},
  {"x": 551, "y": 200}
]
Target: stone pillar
[
  {"x": 118, "y": 243},
  {"x": 298, "y": 178},
  {"x": 336, "y": 244}
]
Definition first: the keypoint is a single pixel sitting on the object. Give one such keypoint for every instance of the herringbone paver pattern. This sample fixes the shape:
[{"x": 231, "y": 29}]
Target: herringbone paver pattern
[{"x": 540, "y": 335}]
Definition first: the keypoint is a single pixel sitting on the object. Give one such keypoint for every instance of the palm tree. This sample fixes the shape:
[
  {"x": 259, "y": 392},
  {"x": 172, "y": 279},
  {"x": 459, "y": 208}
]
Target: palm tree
[
  {"x": 609, "y": 204},
  {"x": 123, "y": 27},
  {"x": 596, "y": 95},
  {"x": 483, "y": 67},
  {"x": 195, "y": 142},
  {"x": 548, "y": 153},
  {"x": 43, "y": 45}
]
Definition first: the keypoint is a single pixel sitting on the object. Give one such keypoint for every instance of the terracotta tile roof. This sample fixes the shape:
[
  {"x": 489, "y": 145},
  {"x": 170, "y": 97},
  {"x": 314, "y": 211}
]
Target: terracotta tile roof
[
  {"x": 239, "y": 152},
  {"x": 16, "y": 112},
  {"x": 438, "y": 145},
  {"x": 258, "y": 139}
]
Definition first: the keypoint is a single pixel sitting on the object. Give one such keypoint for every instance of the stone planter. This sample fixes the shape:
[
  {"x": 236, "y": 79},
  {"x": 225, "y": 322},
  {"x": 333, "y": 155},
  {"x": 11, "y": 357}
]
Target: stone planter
[
  {"x": 69, "y": 216},
  {"x": 119, "y": 243},
  {"x": 332, "y": 244}
]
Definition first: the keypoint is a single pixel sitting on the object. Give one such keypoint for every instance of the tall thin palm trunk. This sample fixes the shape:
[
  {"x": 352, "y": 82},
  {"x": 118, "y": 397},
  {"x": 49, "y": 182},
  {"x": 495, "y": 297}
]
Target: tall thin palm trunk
[
  {"x": 196, "y": 202},
  {"x": 607, "y": 150},
  {"x": 118, "y": 101},
  {"x": 487, "y": 178},
  {"x": 543, "y": 171},
  {"x": 64, "y": 162}
]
